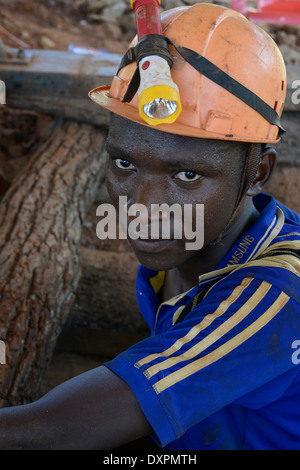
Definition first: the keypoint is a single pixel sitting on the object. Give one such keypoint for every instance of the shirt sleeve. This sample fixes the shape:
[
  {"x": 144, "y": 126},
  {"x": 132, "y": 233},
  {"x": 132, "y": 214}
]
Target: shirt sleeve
[{"x": 237, "y": 339}]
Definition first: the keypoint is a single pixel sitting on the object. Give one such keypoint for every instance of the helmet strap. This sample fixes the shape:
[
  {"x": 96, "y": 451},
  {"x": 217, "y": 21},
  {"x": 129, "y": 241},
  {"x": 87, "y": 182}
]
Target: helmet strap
[
  {"x": 251, "y": 166},
  {"x": 155, "y": 44}
]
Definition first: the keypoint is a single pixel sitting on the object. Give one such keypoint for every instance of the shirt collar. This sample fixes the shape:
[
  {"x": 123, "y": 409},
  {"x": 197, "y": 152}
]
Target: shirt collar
[{"x": 253, "y": 242}]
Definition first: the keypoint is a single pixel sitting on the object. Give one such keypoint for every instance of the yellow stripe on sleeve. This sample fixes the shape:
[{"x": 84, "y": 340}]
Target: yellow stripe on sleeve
[
  {"x": 223, "y": 350},
  {"x": 208, "y": 319},
  {"x": 218, "y": 333}
]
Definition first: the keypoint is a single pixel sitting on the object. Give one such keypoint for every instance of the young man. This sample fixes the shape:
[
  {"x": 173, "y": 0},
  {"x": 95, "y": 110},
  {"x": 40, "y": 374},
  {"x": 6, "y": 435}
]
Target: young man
[{"x": 219, "y": 370}]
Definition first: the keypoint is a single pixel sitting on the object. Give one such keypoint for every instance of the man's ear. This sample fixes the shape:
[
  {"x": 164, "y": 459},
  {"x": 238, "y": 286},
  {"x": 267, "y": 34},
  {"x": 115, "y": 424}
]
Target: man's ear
[{"x": 267, "y": 163}]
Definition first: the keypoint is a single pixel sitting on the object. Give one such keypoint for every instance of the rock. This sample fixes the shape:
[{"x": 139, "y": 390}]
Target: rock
[
  {"x": 284, "y": 185},
  {"x": 290, "y": 55},
  {"x": 47, "y": 43},
  {"x": 127, "y": 21},
  {"x": 113, "y": 31},
  {"x": 168, "y": 4},
  {"x": 96, "y": 5},
  {"x": 115, "y": 11}
]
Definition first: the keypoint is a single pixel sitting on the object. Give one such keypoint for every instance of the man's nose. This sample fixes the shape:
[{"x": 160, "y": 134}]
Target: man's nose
[
  {"x": 142, "y": 199},
  {"x": 146, "y": 192}
]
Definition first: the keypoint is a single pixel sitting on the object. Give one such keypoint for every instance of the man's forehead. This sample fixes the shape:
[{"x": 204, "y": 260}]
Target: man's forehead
[{"x": 129, "y": 135}]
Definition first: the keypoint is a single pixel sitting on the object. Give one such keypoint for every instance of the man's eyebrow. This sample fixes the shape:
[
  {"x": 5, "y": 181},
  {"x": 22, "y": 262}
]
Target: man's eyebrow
[
  {"x": 172, "y": 162},
  {"x": 177, "y": 163},
  {"x": 116, "y": 150},
  {"x": 111, "y": 147},
  {"x": 200, "y": 161}
]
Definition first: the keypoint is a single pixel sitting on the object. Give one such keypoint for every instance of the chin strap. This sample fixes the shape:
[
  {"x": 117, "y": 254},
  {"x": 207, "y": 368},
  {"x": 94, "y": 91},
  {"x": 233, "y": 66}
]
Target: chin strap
[{"x": 251, "y": 166}]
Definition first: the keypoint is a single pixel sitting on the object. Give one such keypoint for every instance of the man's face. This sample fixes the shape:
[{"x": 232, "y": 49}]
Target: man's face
[{"x": 153, "y": 167}]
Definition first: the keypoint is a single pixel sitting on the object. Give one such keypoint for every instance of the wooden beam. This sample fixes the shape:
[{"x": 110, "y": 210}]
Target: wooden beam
[{"x": 58, "y": 82}]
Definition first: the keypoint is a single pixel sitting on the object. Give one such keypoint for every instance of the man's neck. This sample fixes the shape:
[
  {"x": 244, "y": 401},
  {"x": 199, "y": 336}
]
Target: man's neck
[{"x": 184, "y": 277}]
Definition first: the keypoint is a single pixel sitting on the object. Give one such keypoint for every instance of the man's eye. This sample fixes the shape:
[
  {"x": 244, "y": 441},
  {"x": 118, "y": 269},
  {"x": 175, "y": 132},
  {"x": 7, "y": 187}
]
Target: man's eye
[
  {"x": 123, "y": 164},
  {"x": 188, "y": 176}
]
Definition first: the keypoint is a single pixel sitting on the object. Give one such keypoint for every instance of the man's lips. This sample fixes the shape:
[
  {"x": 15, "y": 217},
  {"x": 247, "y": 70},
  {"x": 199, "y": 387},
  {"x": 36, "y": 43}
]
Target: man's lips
[{"x": 151, "y": 245}]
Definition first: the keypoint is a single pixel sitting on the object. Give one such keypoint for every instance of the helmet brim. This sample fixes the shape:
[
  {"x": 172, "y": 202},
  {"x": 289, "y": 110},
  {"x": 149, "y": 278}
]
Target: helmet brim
[{"x": 101, "y": 96}]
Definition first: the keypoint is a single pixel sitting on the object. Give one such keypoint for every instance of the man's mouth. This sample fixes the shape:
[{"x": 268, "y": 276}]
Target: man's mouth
[{"x": 150, "y": 245}]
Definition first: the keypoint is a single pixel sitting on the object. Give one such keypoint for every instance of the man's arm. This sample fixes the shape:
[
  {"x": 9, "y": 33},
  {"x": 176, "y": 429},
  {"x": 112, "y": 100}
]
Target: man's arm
[{"x": 95, "y": 410}]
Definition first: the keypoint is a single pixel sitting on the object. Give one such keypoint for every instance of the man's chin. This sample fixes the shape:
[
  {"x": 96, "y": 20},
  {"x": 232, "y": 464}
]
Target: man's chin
[{"x": 161, "y": 255}]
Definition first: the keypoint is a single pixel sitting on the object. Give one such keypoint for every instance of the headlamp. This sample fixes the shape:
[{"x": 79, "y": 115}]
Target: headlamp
[{"x": 158, "y": 96}]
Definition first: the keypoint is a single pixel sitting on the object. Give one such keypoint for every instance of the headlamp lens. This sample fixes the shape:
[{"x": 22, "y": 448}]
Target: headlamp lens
[{"x": 160, "y": 108}]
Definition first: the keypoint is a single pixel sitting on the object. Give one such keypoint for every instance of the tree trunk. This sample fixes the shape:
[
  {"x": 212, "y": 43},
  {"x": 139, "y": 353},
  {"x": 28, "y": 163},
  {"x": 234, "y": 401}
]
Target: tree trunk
[
  {"x": 105, "y": 296},
  {"x": 40, "y": 228}
]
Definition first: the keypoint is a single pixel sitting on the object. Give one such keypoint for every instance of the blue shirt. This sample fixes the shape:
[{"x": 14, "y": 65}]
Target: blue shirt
[{"x": 220, "y": 369}]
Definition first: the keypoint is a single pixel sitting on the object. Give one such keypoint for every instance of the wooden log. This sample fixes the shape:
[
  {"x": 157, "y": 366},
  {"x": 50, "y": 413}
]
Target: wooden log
[
  {"x": 58, "y": 82},
  {"x": 40, "y": 228},
  {"x": 105, "y": 296}
]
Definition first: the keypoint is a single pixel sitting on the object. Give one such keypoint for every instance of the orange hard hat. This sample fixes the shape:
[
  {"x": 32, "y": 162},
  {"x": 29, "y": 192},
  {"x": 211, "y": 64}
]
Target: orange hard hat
[{"x": 239, "y": 51}]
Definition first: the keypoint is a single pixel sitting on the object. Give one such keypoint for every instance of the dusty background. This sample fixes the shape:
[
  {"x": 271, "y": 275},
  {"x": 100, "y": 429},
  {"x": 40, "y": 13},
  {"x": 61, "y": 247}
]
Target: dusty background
[
  {"x": 103, "y": 24},
  {"x": 107, "y": 25}
]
